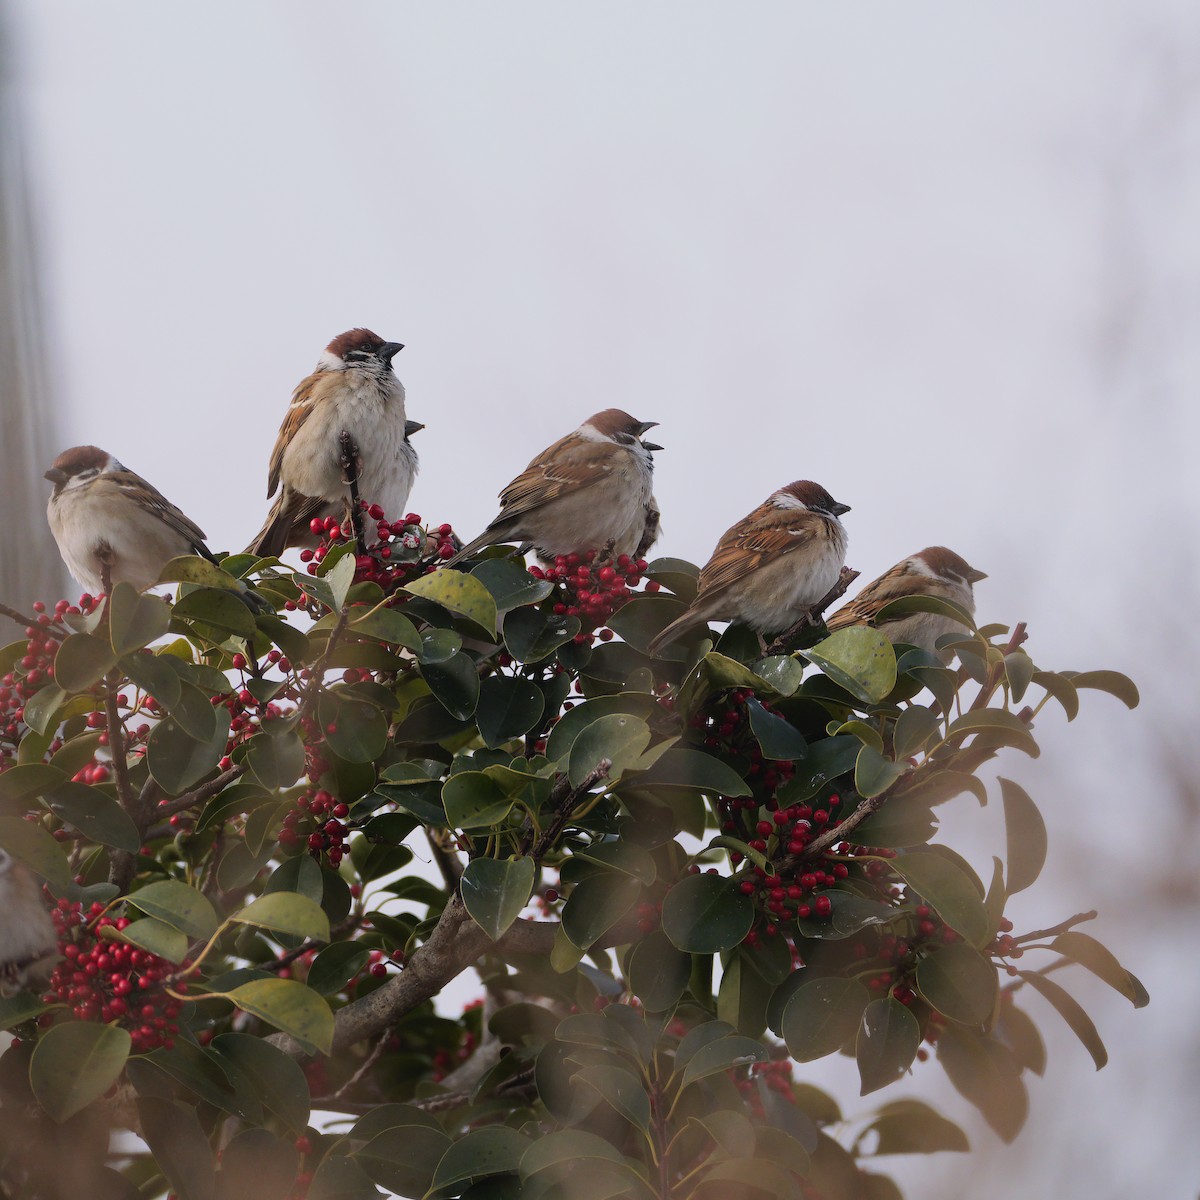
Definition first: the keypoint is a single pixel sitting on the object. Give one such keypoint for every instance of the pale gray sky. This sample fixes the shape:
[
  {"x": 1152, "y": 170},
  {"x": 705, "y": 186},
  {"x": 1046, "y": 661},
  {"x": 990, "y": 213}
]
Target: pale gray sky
[{"x": 943, "y": 259}]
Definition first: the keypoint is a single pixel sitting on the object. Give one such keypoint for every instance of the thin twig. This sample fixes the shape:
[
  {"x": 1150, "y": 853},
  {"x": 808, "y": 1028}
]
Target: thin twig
[
  {"x": 1061, "y": 927},
  {"x": 367, "y": 1063},
  {"x": 782, "y": 644},
  {"x": 22, "y": 619},
  {"x": 565, "y": 801},
  {"x": 204, "y": 792}
]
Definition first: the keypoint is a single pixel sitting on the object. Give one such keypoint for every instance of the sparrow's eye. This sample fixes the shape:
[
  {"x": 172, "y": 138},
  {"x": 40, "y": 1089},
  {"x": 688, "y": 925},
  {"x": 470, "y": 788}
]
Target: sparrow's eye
[{"x": 357, "y": 356}]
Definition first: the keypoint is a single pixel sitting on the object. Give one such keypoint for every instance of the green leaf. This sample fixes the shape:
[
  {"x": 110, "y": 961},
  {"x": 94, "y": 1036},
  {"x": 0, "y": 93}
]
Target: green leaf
[
  {"x": 17, "y": 1009},
  {"x": 906, "y": 606},
  {"x": 985, "y": 1074},
  {"x": 888, "y": 1039},
  {"x": 822, "y": 1016},
  {"x": 899, "y": 824},
  {"x": 82, "y": 660},
  {"x": 41, "y": 708},
  {"x": 95, "y": 814},
  {"x": 191, "y": 568},
  {"x": 148, "y": 933},
  {"x": 567, "y": 1147},
  {"x": 574, "y": 720},
  {"x": 621, "y": 1089},
  {"x": 1020, "y": 1035},
  {"x": 1026, "y": 835},
  {"x": 912, "y": 1127},
  {"x": 677, "y": 574},
  {"x": 274, "y": 1077},
  {"x": 37, "y": 850},
  {"x": 276, "y": 756},
  {"x": 76, "y": 1063},
  {"x": 914, "y": 728},
  {"x": 706, "y": 914},
  {"x": 286, "y": 912},
  {"x": 463, "y": 595},
  {"x": 1112, "y": 682},
  {"x": 694, "y": 770},
  {"x": 1072, "y": 1012},
  {"x": 388, "y": 625},
  {"x": 339, "y": 575},
  {"x": 721, "y": 1055},
  {"x": 994, "y": 727},
  {"x": 937, "y": 787},
  {"x": 1061, "y": 688},
  {"x": 1097, "y": 958},
  {"x": 743, "y": 995},
  {"x": 194, "y": 713},
  {"x": 134, "y": 620},
  {"x": 155, "y": 675},
  {"x": 531, "y": 634},
  {"x": 493, "y": 1150},
  {"x": 641, "y": 619},
  {"x": 28, "y": 781},
  {"x": 781, "y": 672},
  {"x": 778, "y": 738},
  {"x": 874, "y": 774},
  {"x": 256, "y": 1165},
  {"x": 657, "y": 972},
  {"x": 508, "y": 708},
  {"x": 355, "y": 730},
  {"x": 625, "y": 857},
  {"x": 495, "y": 890},
  {"x": 179, "y": 1147},
  {"x": 859, "y": 659},
  {"x": 218, "y": 609},
  {"x": 619, "y": 737},
  {"x": 959, "y": 983},
  {"x": 178, "y": 905},
  {"x": 510, "y": 584},
  {"x": 403, "y": 1158},
  {"x": 825, "y": 761},
  {"x": 336, "y": 965},
  {"x": 474, "y": 800},
  {"x": 289, "y": 1006},
  {"x": 454, "y": 682},
  {"x": 177, "y": 761},
  {"x": 944, "y": 886},
  {"x": 595, "y": 905}
]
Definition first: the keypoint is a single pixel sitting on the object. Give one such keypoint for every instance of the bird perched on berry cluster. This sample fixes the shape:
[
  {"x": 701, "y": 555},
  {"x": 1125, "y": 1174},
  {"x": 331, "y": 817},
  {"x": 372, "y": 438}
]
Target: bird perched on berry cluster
[
  {"x": 590, "y": 490},
  {"x": 353, "y": 390},
  {"x": 772, "y": 566}
]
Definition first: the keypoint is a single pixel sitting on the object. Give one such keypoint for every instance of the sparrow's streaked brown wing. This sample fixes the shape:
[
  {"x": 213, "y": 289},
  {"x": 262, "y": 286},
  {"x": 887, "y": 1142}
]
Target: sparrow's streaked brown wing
[
  {"x": 303, "y": 399},
  {"x": 764, "y": 536},
  {"x": 571, "y": 464},
  {"x": 650, "y": 530},
  {"x": 147, "y": 496},
  {"x": 287, "y": 523},
  {"x": 892, "y": 585}
]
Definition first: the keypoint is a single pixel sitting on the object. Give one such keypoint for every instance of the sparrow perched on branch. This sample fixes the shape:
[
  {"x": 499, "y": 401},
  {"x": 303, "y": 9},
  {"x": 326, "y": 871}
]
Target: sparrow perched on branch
[
  {"x": 28, "y": 942},
  {"x": 104, "y": 516},
  {"x": 934, "y": 571},
  {"x": 353, "y": 391},
  {"x": 591, "y": 490},
  {"x": 770, "y": 567}
]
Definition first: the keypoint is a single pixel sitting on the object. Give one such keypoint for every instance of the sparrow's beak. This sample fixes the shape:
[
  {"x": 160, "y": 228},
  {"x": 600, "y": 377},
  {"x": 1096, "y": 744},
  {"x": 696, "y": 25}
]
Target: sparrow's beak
[
  {"x": 644, "y": 426},
  {"x": 838, "y": 509},
  {"x": 650, "y": 446},
  {"x": 974, "y": 576},
  {"x": 56, "y": 475},
  {"x": 411, "y": 427},
  {"x": 389, "y": 350}
]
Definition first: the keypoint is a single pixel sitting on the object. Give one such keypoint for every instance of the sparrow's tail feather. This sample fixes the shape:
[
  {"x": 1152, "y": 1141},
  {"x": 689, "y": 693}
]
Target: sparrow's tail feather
[
  {"x": 688, "y": 621},
  {"x": 272, "y": 538},
  {"x": 489, "y": 537}
]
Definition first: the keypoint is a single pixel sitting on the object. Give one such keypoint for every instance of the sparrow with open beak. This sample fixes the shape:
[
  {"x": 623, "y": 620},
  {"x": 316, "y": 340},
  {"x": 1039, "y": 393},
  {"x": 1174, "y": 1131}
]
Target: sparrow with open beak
[
  {"x": 28, "y": 942},
  {"x": 772, "y": 566},
  {"x": 104, "y": 515},
  {"x": 934, "y": 571},
  {"x": 591, "y": 490},
  {"x": 354, "y": 391}
]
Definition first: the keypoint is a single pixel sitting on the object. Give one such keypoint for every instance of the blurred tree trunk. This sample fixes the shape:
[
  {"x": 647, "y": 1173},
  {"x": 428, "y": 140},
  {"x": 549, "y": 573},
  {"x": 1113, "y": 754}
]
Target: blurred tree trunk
[{"x": 29, "y": 566}]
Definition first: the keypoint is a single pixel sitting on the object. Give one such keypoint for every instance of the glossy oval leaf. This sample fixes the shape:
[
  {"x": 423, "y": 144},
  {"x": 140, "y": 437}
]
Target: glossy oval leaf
[
  {"x": 455, "y": 683},
  {"x": 706, "y": 914},
  {"x": 474, "y": 800},
  {"x": 1025, "y": 832},
  {"x": 658, "y": 972},
  {"x": 135, "y": 620},
  {"x": 1097, "y": 958},
  {"x": 859, "y": 659},
  {"x": 618, "y": 738},
  {"x": 95, "y": 814},
  {"x": 508, "y": 708},
  {"x": 595, "y": 905},
  {"x": 944, "y": 886},
  {"x": 822, "y": 1016},
  {"x": 76, "y": 1063},
  {"x": 290, "y": 1006},
  {"x": 493, "y": 1150},
  {"x": 694, "y": 770},
  {"x": 83, "y": 659},
  {"x": 1112, "y": 682},
  {"x": 495, "y": 890},
  {"x": 461, "y": 594},
  {"x": 286, "y": 912},
  {"x": 1071, "y": 1011},
  {"x": 178, "y": 905},
  {"x": 888, "y": 1040},
  {"x": 37, "y": 850},
  {"x": 960, "y": 983},
  {"x": 778, "y": 738}
]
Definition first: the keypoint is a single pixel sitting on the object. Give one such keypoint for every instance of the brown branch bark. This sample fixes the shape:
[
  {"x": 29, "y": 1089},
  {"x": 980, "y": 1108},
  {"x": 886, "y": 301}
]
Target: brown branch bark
[
  {"x": 782, "y": 644},
  {"x": 22, "y": 619}
]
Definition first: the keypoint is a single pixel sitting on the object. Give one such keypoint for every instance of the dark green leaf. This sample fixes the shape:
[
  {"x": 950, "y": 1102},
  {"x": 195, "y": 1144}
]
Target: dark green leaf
[
  {"x": 677, "y": 574},
  {"x": 706, "y": 914},
  {"x": 147, "y": 933},
  {"x": 355, "y": 730},
  {"x": 76, "y": 1063},
  {"x": 874, "y": 774},
  {"x": 621, "y": 1089},
  {"x": 778, "y": 738},
  {"x": 510, "y": 584},
  {"x": 912, "y": 1127},
  {"x": 276, "y": 756},
  {"x": 495, "y": 890},
  {"x": 154, "y": 675},
  {"x": 474, "y": 800},
  {"x": 694, "y": 770},
  {"x": 16, "y": 1010},
  {"x": 984, "y": 1073},
  {"x": 822, "y": 1016},
  {"x": 403, "y": 1158},
  {"x": 454, "y": 682},
  {"x": 275, "y": 1078},
  {"x": 37, "y": 850},
  {"x": 596, "y": 905},
  {"x": 532, "y": 634},
  {"x": 41, "y": 708},
  {"x": 177, "y": 761},
  {"x": 482, "y": 1152},
  {"x": 1112, "y": 682},
  {"x": 508, "y": 708},
  {"x": 994, "y": 727},
  {"x": 658, "y": 973},
  {"x": 178, "y": 905},
  {"x": 944, "y": 886},
  {"x": 1085, "y": 950},
  {"x": 134, "y": 620},
  {"x": 256, "y": 1165},
  {"x": 23, "y": 783},
  {"x": 179, "y": 1146},
  {"x": 914, "y": 728},
  {"x": 824, "y": 762},
  {"x": 336, "y": 965},
  {"x": 463, "y": 595},
  {"x": 95, "y": 814},
  {"x": 289, "y": 1006},
  {"x": 1070, "y": 1010},
  {"x": 959, "y": 983},
  {"x": 721, "y": 1055},
  {"x": 618, "y": 738},
  {"x": 1026, "y": 835},
  {"x": 220, "y": 610},
  {"x": 82, "y": 660},
  {"x": 639, "y": 620},
  {"x": 888, "y": 1039}
]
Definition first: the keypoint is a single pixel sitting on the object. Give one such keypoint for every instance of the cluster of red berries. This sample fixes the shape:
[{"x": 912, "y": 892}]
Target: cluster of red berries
[
  {"x": 111, "y": 981},
  {"x": 401, "y": 550},
  {"x": 593, "y": 593},
  {"x": 775, "y": 1074},
  {"x": 316, "y": 820},
  {"x": 31, "y": 672}
]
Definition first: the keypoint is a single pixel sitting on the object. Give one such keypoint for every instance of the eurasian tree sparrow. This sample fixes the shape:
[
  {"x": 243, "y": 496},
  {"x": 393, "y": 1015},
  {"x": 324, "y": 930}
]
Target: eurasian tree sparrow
[
  {"x": 772, "y": 566},
  {"x": 934, "y": 571},
  {"x": 101, "y": 513},
  {"x": 28, "y": 941},
  {"x": 352, "y": 390},
  {"x": 591, "y": 490}
]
